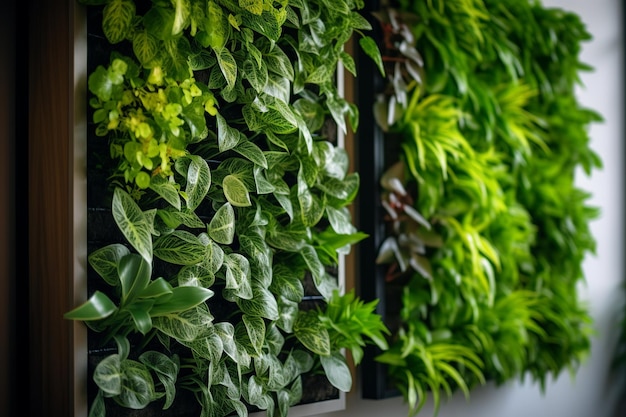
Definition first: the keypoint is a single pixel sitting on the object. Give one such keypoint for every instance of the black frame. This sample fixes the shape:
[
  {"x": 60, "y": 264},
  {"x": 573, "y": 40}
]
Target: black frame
[{"x": 372, "y": 157}]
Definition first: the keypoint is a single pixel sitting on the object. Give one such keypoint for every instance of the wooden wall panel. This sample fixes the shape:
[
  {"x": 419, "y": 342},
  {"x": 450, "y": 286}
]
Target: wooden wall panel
[
  {"x": 7, "y": 210},
  {"x": 50, "y": 216}
]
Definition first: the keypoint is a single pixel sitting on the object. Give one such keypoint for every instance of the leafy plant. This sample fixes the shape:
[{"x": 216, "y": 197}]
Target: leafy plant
[
  {"x": 231, "y": 196},
  {"x": 491, "y": 135}
]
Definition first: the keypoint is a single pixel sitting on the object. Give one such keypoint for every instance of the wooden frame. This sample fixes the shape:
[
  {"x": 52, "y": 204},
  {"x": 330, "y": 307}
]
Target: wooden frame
[{"x": 46, "y": 339}]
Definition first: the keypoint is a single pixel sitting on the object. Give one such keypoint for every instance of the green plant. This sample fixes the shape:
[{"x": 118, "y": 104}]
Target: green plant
[
  {"x": 232, "y": 195},
  {"x": 491, "y": 136}
]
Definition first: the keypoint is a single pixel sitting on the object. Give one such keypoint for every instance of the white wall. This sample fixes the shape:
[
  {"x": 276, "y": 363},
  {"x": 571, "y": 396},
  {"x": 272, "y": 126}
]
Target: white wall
[{"x": 592, "y": 391}]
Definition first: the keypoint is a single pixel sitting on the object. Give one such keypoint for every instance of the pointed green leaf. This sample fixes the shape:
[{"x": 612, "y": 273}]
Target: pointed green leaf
[
  {"x": 252, "y": 152},
  {"x": 134, "y": 273},
  {"x": 255, "y": 326},
  {"x": 214, "y": 257},
  {"x": 137, "y": 385},
  {"x": 217, "y": 27},
  {"x": 198, "y": 181},
  {"x": 140, "y": 312},
  {"x": 107, "y": 375},
  {"x": 261, "y": 304},
  {"x": 165, "y": 369},
  {"x": 222, "y": 226},
  {"x": 236, "y": 192},
  {"x": 156, "y": 288},
  {"x": 311, "y": 333},
  {"x": 185, "y": 326},
  {"x": 238, "y": 275},
  {"x": 228, "y": 65},
  {"x": 133, "y": 223},
  {"x": 195, "y": 276},
  {"x": 117, "y": 18},
  {"x": 145, "y": 47},
  {"x": 105, "y": 260},
  {"x": 337, "y": 371},
  {"x": 179, "y": 247},
  {"x": 227, "y": 137},
  {"x": 166, "y": 189},
  {"x": 313, "y": 262},
  {"x": 181, "y": 299},
  {"x": 256, "y": 74},
  {"x": 369, "y": 46},
  {"x": 97, "y": 307}
]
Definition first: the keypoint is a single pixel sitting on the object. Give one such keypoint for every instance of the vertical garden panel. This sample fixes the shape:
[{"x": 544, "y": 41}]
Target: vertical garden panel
[
  {"x": 217, "y": 204},
  {"x": 477, "y": 228}
]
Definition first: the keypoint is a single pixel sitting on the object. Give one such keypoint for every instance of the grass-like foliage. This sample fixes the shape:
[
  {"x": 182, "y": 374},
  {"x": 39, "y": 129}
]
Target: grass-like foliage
[{"x": 492, "y": 136}]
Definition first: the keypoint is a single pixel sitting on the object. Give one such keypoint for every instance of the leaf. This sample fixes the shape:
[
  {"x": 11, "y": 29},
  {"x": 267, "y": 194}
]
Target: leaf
[
  {"x": 217, "y": 29},
  {"x": 227, "y": 137},
  {"x": 187, "y": 325},
  {"x": 165, "y": 369},
  {"x": 262, "y": 304},
  {"x": 222, "y": 226},
  {"x": 97, "y": 408},
  {"x": 256, "y": 74},
  {"x": 134, "y": 273},
  {"x": 238, "y": 275},
  {"x": 179, "y": 247},
  {"x": 156, "y": 288},
  {"x": 337, "y": 371},
  {"x": 228, "y": 65},
  {"x": 159, "y": 22},
  {"x": 132, "y": 223},
  {"x": 145, "y": 47},
  {"x": 105, "y": 260},
  {"x": 195, "y": 276},
  {"x": 137, "y": 385},
  {"x": 214, "y": 257},
  {"x": 286, "y": 283},
  {"x": 166, "y": 189},
  {"x": 313, "y": 262},
  {"x": 348, "y": 62},
  {"x": 253, "y": 6},
  {"x": 97, "y": 307},
  {"x": 182, "y": 12},
  {"x": 181, "y": 299},
  {"x": 311, "y": 333},
  {"x": 287, "y": 311},
  {"x": 117, "y": 17},
  {"x": 357, "y": 21},
  {"x": 174, "y": 218},
  {"x": 140, "y": 313},
  {"x": 255, "y": 326},
  {"x": 226, "y": 333},
  {"x": 278, "y": 87},
  {"x": 198, "y": 177},
  {"x": 265, "y": 24},
  {"x": 369, "y": 46},
  {"x": 252, "y": 152},
  {"x": 340, "y": 220},
  {"x": 235, "y": 191},
  {"x": 263, "y": 186},
  {"x": 108, "y": 376}
]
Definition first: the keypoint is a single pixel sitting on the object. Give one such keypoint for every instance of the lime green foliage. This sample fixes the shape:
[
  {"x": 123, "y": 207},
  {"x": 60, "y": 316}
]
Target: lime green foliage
[
  {"x": 491, "y": 136},
  {"x": 225, "y": 173}
]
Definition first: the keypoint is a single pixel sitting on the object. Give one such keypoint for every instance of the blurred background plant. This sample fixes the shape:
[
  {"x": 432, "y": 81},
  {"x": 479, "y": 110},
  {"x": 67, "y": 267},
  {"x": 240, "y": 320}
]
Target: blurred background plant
[{"x": 486, "y": 225}]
